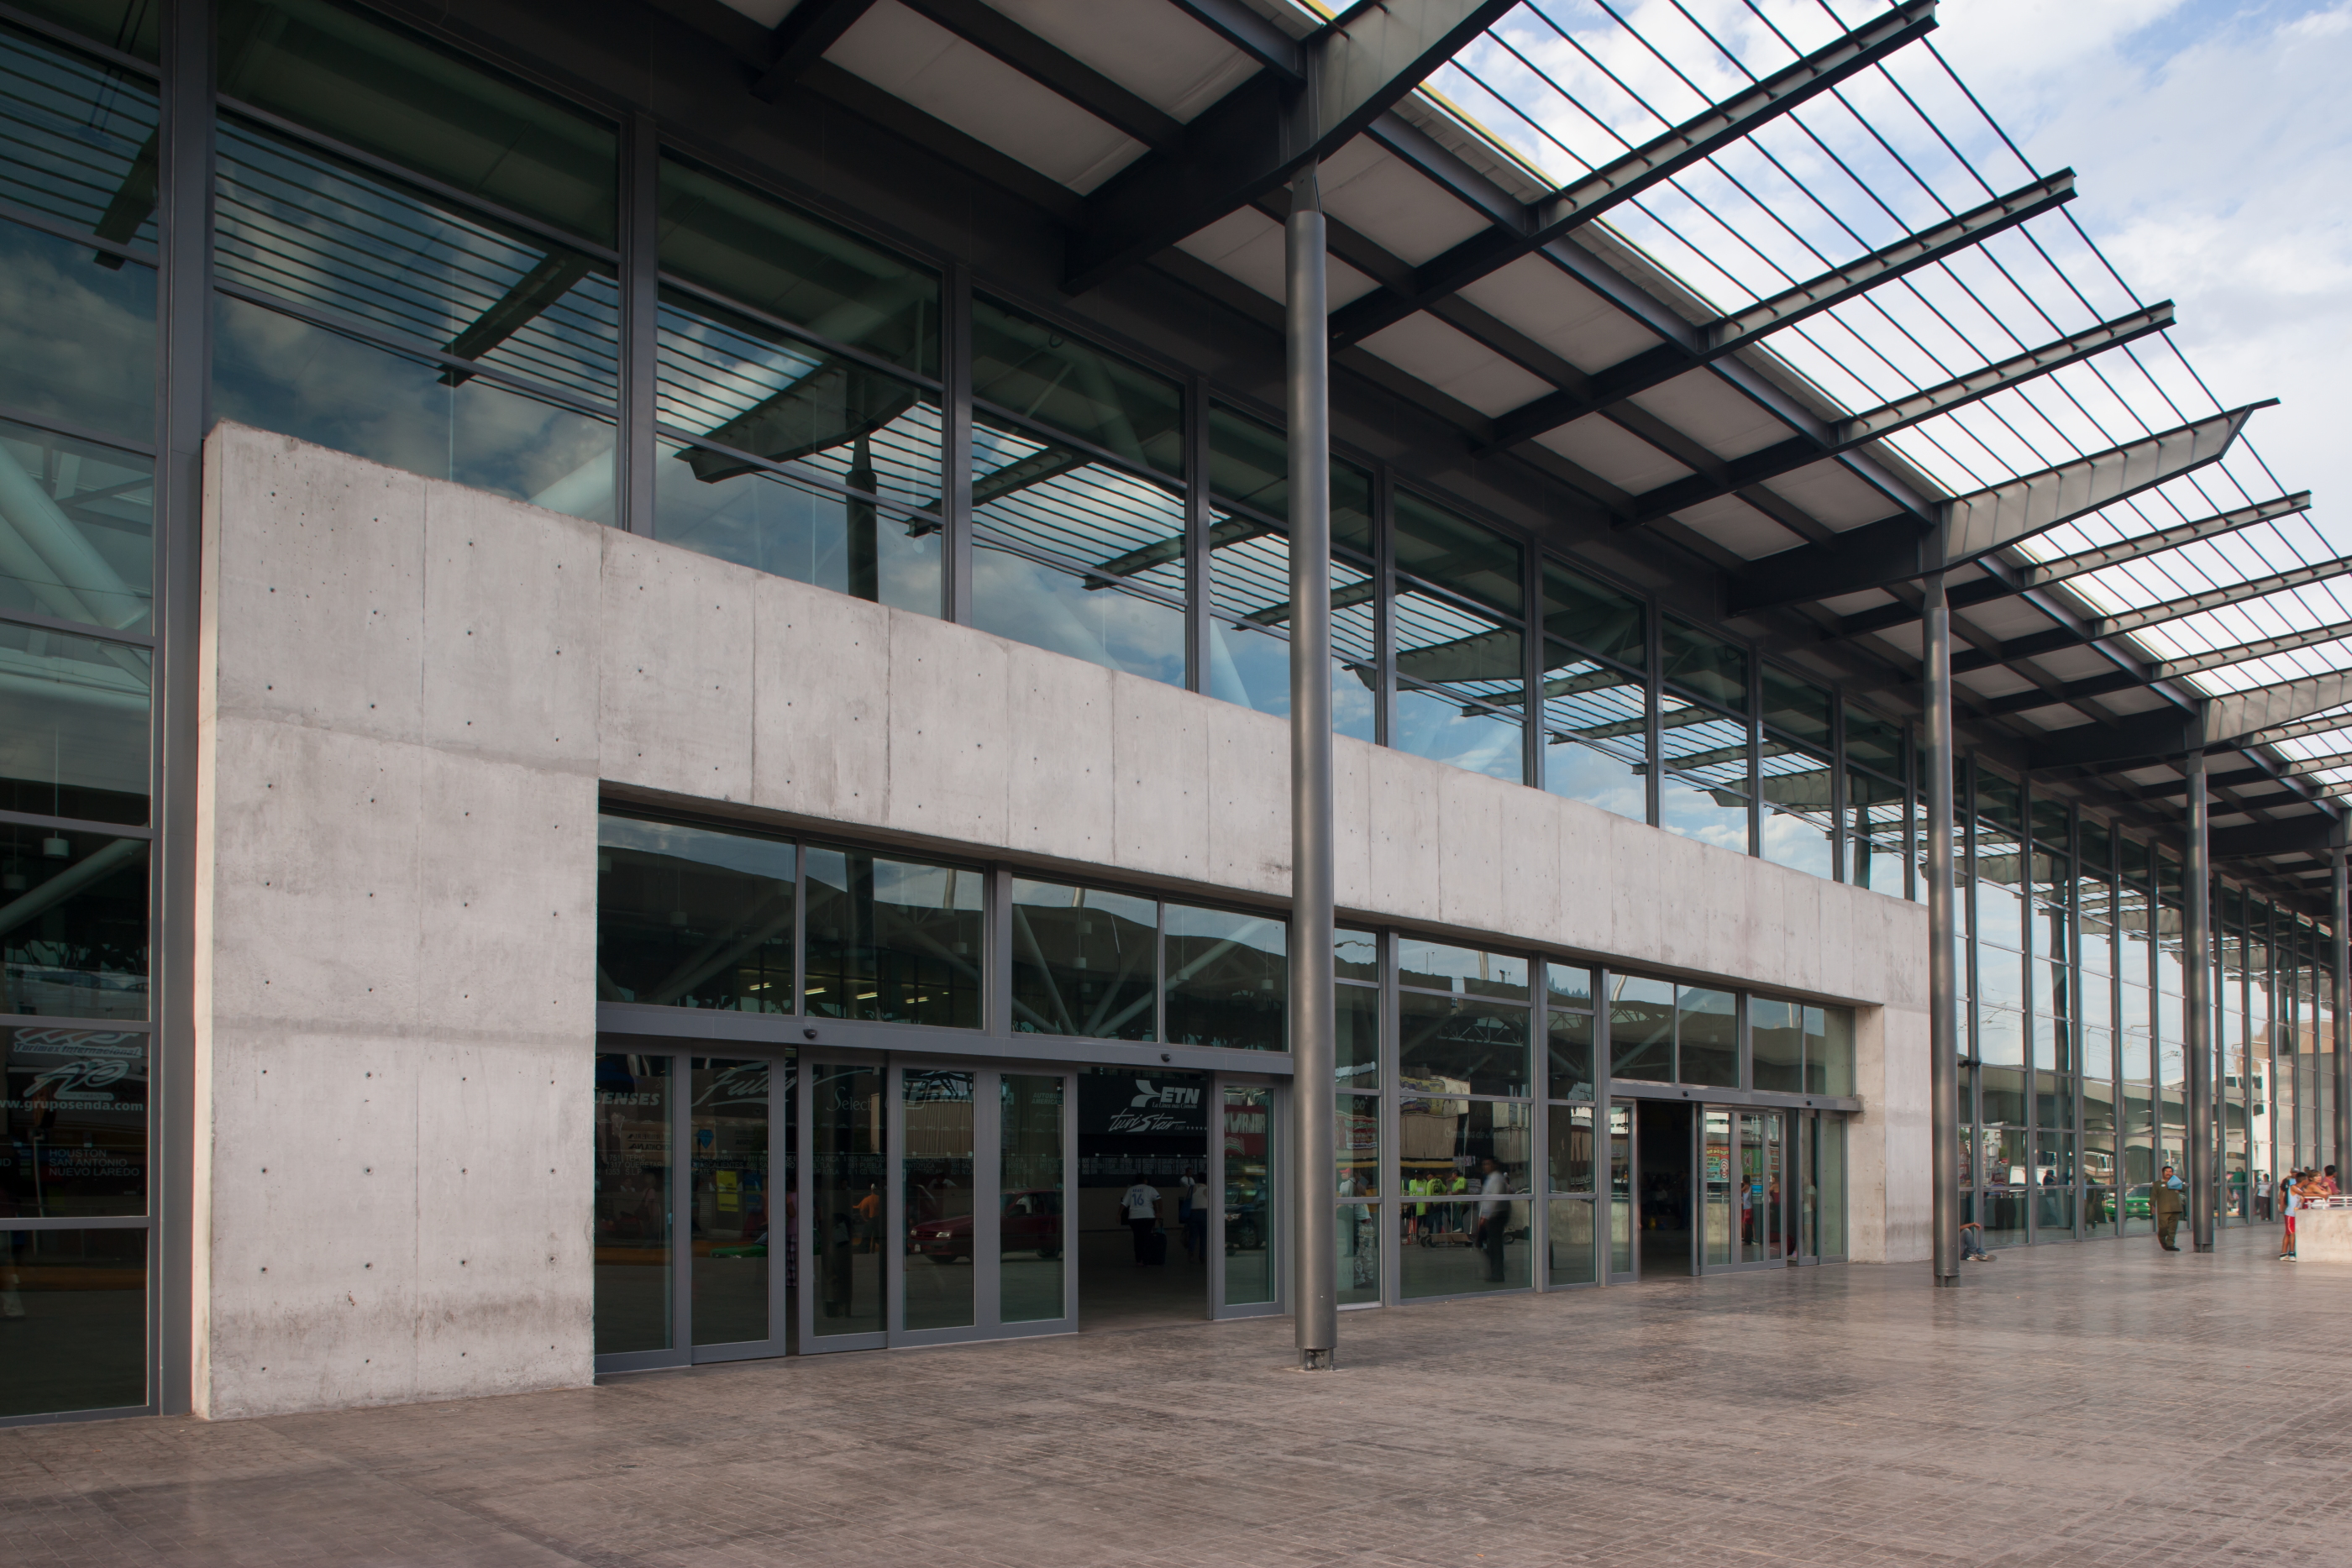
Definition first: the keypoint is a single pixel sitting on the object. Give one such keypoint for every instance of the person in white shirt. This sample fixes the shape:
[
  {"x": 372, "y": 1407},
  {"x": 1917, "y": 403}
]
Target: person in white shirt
[
  {"x": 1493, "y": 1216},
  {"x": 1141, "y": 1206}
]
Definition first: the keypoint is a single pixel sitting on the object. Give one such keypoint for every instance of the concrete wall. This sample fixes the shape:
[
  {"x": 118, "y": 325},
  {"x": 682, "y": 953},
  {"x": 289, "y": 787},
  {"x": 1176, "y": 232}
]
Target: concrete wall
[{"x": 411, "y": 692}]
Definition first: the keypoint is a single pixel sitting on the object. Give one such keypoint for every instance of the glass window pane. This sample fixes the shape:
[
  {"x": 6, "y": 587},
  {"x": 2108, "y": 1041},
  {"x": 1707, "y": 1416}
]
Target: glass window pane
[
  {"x": 1572, "y": 1165},
  {"x": 1357, "y": 1235},
  {"x": 1570, "y": 983},
  {"x": 1874, "y": 854},
  {"x": 1077, "y": 556},
  {"x": 1249, "y": 649},
  {"x": 80, "y": 1342},
  {"x": 1568, "y": 1050},
  {"x": 1031, "y": 1183},
  {"x": 1829, "y": 1177},
  {"x": 2050, "y": 822},
  {"x": 632, "y": 1203},
  {"x": 1227, "y": 978},
  {"x": 1356, "y": 956},
  {"x": 1596, "y": 734},
  {"x": 82, "y": 518},
  {"x": 799, "y": 528},
  {"x": 1452, "y": 552},
  {"x": 73, "y": 726},
  {"x": 1357, "y": 1011},
  {"x": 1356, "y": 1145},
  {"x": 1703, "y": 793},
  {"x": 1444, "y": 728},
  {"x": 388, "y": 92},
  {"x": 77, "y": 336},
  {"x": 77, "y": 1122},
  {"x": 302, "y": 225},
  {"x": 275, "y": 372},
  {"x": 1796, "y": 705},
  {"x": 1459, "y": 685},
  {"x": 1432, "y": 965},
  {"x": 1573, "y": 1245},
  {"x": 849, "y": 1215},
  {"x": 936, "y": 1184},
  {"x": 73, "y": 924},
  {"x": 752, "y": 248},
  {"x": 892, "y": 940},
  {"x": 1708, "y": 1030},
  {"x": 1466, "y": 1045},
  {"x": 1641, "y": 1029},
  {"x": 1249, "y": 465},
  {"x": 1709, "y": 666},
  {"x": 1874, "y": 741},
  {"x": 80, "y": 139},
  {"x": 729, "y": 1201},
  {"x": 1082, "y": 961},
  {"x": 2001, "y": 802},
  {"x": 1776, "y": 1045},
  {"x": 1828, "y": 1051},
  {"x": 1799, "y": 828},
  {"x": 1467, "y": 1248},
  {"x": 692, "y": 918},
  {"x": 133, "y": 26},
  {"x": 1596, "y": 618},
  {"x": 1032, "y": 369},
  {"x": 1249, "y": 1217}
]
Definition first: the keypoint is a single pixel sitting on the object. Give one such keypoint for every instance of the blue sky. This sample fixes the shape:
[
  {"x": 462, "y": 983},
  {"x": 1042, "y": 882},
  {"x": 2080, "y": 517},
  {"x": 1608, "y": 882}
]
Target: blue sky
[{"x": 2213, "y": 142}]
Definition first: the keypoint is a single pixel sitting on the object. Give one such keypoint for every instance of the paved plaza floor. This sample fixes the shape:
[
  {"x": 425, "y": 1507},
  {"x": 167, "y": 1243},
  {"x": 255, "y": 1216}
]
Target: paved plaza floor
[{"x": 2101, "y": 1404}]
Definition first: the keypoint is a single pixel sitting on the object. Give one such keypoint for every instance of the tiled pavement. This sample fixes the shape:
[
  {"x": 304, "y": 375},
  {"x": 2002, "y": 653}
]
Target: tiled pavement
[{"x": 2101, "y": 1404}]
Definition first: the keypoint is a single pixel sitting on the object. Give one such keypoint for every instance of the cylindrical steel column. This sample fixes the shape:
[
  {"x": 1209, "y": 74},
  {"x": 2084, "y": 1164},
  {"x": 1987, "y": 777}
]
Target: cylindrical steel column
[
  {"x": 2342, "y": 947},
  {"x": 1943, "y": 937},
  {"x": 2197, "y": 892},
  {"x": 1315, "y": 1266}
]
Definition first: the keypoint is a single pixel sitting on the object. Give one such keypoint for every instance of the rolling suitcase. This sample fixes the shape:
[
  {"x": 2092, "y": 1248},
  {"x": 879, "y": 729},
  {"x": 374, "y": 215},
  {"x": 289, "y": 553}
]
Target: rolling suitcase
[{"x": 1155, "y": 1248}]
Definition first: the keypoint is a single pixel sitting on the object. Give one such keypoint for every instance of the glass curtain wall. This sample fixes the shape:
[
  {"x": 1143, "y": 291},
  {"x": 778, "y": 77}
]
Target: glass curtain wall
[
  {"x": 1356, "y": 1132},
  {"x": 1707, "y": 761},
  {"x": 1596, "y": 693},
  {"x": 1571, "y": 1250},
  {"x": 1796, "y": 775},
  {"x": 78, "y": 308}
]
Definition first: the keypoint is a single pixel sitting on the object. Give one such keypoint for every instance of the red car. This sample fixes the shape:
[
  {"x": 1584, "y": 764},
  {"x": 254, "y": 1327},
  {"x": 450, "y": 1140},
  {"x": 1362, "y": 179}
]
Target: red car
[{"x": 1032, "y": 1222}]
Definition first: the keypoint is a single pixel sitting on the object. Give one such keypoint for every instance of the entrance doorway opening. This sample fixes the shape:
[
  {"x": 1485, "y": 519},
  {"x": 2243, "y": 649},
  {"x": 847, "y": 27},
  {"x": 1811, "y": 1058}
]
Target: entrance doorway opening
[
  {"x": 1662, "y": 1142},
  {"x": 1143, "y": 1160}
]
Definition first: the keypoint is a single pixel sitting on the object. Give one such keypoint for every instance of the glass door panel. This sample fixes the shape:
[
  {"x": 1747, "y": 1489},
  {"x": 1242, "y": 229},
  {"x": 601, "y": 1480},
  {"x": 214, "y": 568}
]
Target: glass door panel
[
  {"x": 1248, "y": 1219},
  {"x": 1620, "y": 1192},
  {"x": 941, "y": 1241},
  {"x": 1829, "y": 1175},
  {"x": 634, "y": 1291},
  {"x": 1809, "y": 1195},
  {"x": 1760, "y": 1195},
  {"x": 1030, "y": 1230},
  {"x": 1716, "y": 1187},
  {"x": 846, "y": 1171},
  {"x": 726, "y": 1207}
]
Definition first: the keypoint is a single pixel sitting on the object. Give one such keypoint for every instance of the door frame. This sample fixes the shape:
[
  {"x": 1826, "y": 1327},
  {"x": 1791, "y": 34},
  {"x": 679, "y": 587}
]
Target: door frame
[{"x": 1276, "y": 1223}]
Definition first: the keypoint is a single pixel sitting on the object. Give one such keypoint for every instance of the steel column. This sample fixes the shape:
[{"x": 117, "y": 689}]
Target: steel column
[
  {"x": 1312, "y": 1045},
  {"x": 1943, "y": 992},
  {"x": 2341, "y": 945},
  {"x": 2197, "y": 890}
]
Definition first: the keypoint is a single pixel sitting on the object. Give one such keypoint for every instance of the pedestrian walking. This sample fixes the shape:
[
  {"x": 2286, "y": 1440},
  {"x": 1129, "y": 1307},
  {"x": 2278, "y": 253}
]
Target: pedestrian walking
[
  {"x": 1141, "y": 1206},
  {"x": 1494, "y": 1215},
  {"x": 2168, "y": 1197}
]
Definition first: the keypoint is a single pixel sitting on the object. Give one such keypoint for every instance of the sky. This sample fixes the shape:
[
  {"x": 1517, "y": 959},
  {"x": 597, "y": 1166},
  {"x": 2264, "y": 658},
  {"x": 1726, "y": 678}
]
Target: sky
[{"x": 2212, "y": 140}]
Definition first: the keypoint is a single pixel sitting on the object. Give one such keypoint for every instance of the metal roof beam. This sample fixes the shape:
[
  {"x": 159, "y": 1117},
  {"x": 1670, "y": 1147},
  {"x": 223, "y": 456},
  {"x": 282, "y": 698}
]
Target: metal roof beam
[
  {"x": 1265, "y": 130},
  {"x": 1066, "y": 77},
  {"x": 2301, "y": 727},
  {"x": 1727, "y": 334},
  {"x": 1582, "y": 201},
  {"x": 1786, "y": 456},
  {"x": 2069, "y": 692},
  {"x": 1967, "y": 527},
  {"x": 2325, "y": 762},
  {"x": 2042, "y": 574},
  {"x": 2240, "y": 714},
  {"x": 2222, "y": 598},
  {"x": 801, "y": 39},
  {"x": 2220, "y": 658},
  {"x": 2305, "y": 835},
  {"x": 1250, "y": 33}
]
